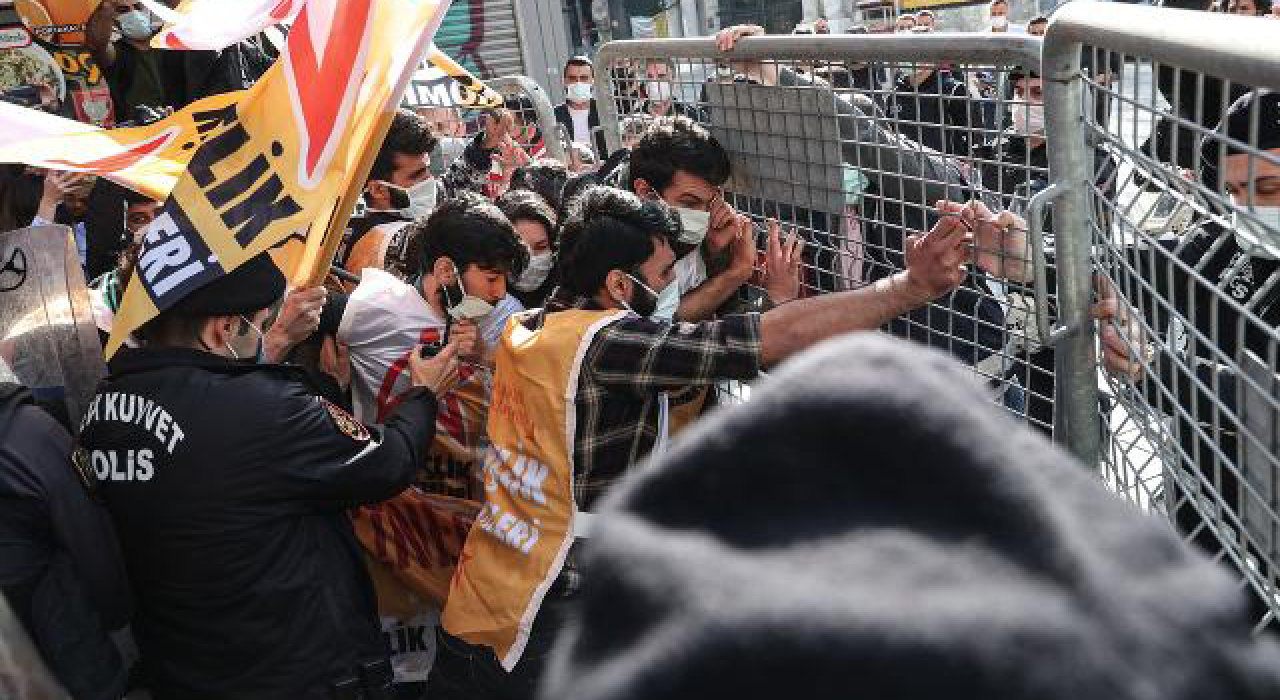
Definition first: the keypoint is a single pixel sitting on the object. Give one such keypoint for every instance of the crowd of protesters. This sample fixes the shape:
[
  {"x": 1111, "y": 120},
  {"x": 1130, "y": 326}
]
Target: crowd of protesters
[{"x": 869, "y": 520}]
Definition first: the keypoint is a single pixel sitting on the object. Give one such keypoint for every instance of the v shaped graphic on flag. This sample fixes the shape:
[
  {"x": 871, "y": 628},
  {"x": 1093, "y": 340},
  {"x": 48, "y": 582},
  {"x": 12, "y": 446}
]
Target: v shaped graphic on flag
[{"x": 279, "y": 162}]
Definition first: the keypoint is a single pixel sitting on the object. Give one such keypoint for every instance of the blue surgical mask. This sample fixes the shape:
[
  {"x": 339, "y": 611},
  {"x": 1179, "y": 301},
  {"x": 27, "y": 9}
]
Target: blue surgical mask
[
  {"x": 135, "y": 25},
  {"x": 668, "y": 303}
]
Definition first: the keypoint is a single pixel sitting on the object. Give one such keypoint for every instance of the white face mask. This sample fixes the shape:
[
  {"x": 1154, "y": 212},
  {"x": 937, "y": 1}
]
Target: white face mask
[
  {"x": 693, "y": 224},
  {"x": 468, "y": 308},
  {"x": 659, "y": 90},
  {"x": 422, "y": 198},
  {"x": 1028, "y": 120},
  {"x": 999, "y": 22},
  {"x": 1260, "y": 238},
  {"x": 535, "y": 273},
  {"x": 135, "y": 25},
  {"x": 580, "y": 92}
]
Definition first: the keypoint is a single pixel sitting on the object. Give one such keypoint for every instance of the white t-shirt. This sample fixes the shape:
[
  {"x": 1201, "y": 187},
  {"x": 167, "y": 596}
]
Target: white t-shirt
[
  {"x": 690, "y": 271},
  {"x": 581, "y": 125},
  {"x": 385, "y": 318}
]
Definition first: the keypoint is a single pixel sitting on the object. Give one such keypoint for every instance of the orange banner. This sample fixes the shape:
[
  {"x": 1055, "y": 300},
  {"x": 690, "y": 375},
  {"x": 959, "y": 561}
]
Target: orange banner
[{"x": 418, "y": 537}]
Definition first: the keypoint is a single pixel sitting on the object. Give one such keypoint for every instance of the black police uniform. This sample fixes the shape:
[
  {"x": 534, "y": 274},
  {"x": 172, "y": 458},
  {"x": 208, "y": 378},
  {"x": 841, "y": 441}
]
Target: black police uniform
[
  {"x": 60, "y": 566},
  {"x": 228, "y": 483}
]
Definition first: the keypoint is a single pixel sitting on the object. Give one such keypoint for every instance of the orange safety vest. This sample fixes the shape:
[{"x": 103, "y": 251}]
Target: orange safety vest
[{"x": 523, "y": 532}]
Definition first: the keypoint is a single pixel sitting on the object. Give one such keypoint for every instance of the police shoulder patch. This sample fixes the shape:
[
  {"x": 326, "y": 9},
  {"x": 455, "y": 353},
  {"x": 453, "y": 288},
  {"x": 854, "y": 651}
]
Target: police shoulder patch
[{"x": 346, "y": 423}]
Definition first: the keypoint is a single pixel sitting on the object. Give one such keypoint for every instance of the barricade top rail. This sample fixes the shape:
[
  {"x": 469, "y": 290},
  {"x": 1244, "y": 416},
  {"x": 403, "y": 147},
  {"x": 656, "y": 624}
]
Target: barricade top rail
[
  {"x": 933, "y": 47},
  {"x": 1241, "y": 49}
]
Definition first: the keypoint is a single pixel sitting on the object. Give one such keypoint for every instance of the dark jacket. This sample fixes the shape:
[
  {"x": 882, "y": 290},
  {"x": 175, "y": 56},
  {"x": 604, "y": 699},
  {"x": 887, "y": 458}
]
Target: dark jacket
[
  {"x": 593, "y": 123},
  {"x": 940, "y": 104},
  {"x": 228, "y": 483},
  {"x": 60, "y": 565}
]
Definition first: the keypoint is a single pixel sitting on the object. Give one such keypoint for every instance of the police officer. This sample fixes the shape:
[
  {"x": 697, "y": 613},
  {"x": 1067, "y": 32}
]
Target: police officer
[
  {"x": 228, "y": 483},
  {"x": 60, "y": 566}
]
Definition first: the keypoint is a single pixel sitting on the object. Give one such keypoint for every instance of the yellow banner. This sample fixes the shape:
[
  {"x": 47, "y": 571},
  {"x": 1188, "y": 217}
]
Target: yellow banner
[{"x": 288, "y": 159}]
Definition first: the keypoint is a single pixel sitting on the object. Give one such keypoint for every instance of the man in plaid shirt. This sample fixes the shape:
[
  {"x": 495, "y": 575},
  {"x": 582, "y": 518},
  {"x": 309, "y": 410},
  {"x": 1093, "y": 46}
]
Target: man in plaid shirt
[
  {"x": 616, "y": 255},
  {"x": 616, "y": 258}
]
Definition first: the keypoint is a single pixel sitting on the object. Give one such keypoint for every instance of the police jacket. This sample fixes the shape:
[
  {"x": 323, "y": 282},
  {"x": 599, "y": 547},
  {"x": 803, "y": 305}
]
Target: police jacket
[
  {"x": 228, "y": 483},
  {"x": 60, "y": 566}
]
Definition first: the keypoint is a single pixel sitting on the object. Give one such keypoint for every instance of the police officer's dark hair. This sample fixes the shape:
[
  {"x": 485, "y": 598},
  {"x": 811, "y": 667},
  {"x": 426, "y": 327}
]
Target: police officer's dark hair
[
  {"x": 131, "y": 197},
  {"x": 993, "y": 3},
  {"x": 1038, "y": 20},
  {"x": 610, "y": 229},
  {"x": 677, "y": 143},
  {"x": 409, "y": 135},
  {"x": 544, "y": 177},
  {"x": 524, "y": 205},
  {"x": 469, "y": 230},
  {"x": 579, "y": 61}
]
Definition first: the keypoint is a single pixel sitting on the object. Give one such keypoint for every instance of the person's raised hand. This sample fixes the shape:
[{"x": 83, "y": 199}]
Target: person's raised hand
[
  {"x": 1000, "y": 244},
  {"x": 299, "y": 317},
  {"x": 742, "y": 249},
  {"x": 782, "y": 265},
  {"x": 439, "y": 373},
  {"x": 937, "y": 260},
  {"x": 498, "y": 128}
]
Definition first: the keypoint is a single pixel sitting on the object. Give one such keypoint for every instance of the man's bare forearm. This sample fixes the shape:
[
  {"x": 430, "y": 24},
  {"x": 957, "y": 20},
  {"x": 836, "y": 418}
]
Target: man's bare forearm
[
  {"x": 702, "y": 302},
  {"x": 800, "y": 324}
]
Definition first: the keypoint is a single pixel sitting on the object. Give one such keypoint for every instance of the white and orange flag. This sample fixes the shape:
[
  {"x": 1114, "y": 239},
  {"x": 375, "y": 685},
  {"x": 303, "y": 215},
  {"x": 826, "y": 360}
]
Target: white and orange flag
[{"x": 277, "y": 166}]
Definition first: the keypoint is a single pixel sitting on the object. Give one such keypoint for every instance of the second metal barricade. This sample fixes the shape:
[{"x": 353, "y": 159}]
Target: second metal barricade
[{"x": 1170, "y": 290}]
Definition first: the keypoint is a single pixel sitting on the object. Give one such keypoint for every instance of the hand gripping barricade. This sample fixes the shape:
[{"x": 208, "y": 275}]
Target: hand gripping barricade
[
  {"x": 1191, "y": 432},
  {"x": 532, "y": 108},
  {"x": 852, "y": 144}
]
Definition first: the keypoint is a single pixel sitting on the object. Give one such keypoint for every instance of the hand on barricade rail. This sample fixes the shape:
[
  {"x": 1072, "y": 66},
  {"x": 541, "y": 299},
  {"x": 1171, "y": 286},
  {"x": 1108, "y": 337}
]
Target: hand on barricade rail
[
  {"x": 1000, "y": 244},
  {"x": 498, "y": 127},
  {"x": 299, "y": 317},
  {"x": 728, "y": 37},
  {"x": 439, "y": 373},
  {"x": 782, "y": 265},
  {"x": 937, "y": 261},
  {"x": 1125, "y": 350}
]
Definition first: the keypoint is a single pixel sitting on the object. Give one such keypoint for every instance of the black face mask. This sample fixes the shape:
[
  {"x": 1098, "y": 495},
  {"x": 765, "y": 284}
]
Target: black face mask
[{"x": 642, "y": 301}]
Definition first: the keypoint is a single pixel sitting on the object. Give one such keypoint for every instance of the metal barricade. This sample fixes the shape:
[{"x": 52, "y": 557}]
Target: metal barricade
[
  {"x": 1181, "y": 410},
  {"x": 531, "y": 107},
  {"x": 852, "y": 143}
]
